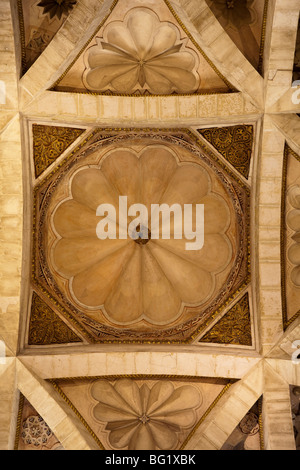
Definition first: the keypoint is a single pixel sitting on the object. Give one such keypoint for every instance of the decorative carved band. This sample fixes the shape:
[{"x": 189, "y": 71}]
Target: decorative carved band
[{"x": 234, "y": 327}]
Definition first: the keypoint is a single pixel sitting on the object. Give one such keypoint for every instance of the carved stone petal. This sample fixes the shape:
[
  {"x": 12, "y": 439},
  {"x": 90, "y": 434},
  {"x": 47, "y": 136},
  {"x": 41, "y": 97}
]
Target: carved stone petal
[
  {"x": 74, "y": 220},
  {"x": 159, "y": 394},
  {"x": 130, "y": 392},
  {"x": 121, "y": 437},
  {"x": 122, "y": 169},
  {"x": 294, "y": 196},
  {"x": 183, "y": 398},
  {"x": 179, "y": 60},
  {"x": 125, "y": 299},
  {"x": 108, "y": 413},
  {"x": 161, "y": 302},
  {"x": 121, "y": 397},
  {"x": 178, "y": 420},
  {"x": 119, "y": 36},
  {"x": 216, "y": 214},
  {"x": 102, "y": 58},
  {"x": 189, "y": 185},
  {"x": 125, "y": 82},
  {"x": 157, "y": 168},
  {"x": 91, "y": 188}
]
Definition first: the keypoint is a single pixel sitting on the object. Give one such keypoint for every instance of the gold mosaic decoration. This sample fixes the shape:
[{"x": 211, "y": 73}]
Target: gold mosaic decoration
[
  {"x": 234, "y": 143},
  {"x": 49, "y": 142},
  {"x": 46, "y": 327},
  {"x": 58, "y": 386},
  {"x": 234, "y": 327},
  {"x": 288, "y": 152}
]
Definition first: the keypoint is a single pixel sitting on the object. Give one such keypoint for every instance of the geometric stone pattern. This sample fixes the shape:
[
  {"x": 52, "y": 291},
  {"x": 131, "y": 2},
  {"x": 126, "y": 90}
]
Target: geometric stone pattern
[{"x": 32, "y": 431}]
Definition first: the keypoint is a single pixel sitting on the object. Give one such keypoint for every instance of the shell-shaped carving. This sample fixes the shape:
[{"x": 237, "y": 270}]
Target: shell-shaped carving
[
  {"x": 132, "y": 281},
  {"x": 141, "y": 53}
]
